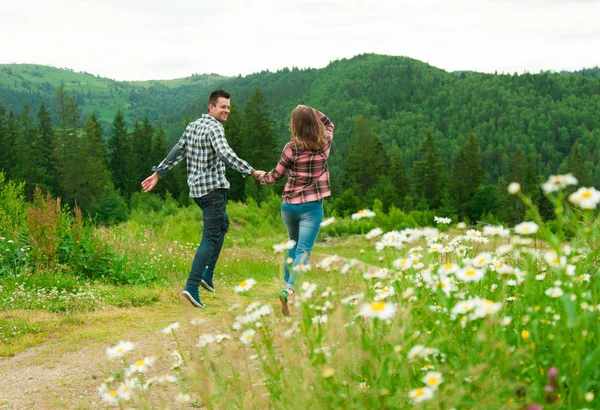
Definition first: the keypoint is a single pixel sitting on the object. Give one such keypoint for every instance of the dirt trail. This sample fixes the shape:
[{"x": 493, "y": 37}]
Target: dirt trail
[{"x": 66, "y": 371}]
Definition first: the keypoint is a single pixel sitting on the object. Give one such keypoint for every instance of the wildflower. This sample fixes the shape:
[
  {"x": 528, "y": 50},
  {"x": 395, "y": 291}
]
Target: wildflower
[
  {"x": 589, "y": 396},
  {"x": 556, "y": 182},
  {"x": 380, "y": 310},
  {"x": 525, "y": 334},
  {"x": 284, "y": 246},
  {"x": 470, "y": 274},
  {"x": 586, "y": 198},
  {"x": 196, "y": 321},
  {"x": 384, "y": 292},
  {"x": 373, "y": 233},
  {"x": 328, "y": 221},
  {"x": 247, "y": 336},
  {"x": 353, "y": 299},
  {"x": 171, "y": 328},
  {"x": 448, "y": 268},
  {"x": 244, "y": 285},
  {"x": 482, "y": 260},
  {"x": 363, "y": 213},
  {"x": 126, "y": 389},
  {"x": 178, "y": 359},
  {"x": 526, "y": 228},
  {"x": 422, "y": 351},
  {"x": 514, "y": 188},
  {"x": 109, "y": 396},
  {"x": 378, "y": 274},
  {"x": 142, "y": 365},
  {"x": 364, "y": 386},
  {"x": 554, "y": 292},
  {"x": 319, "y": 319},
  {"x": 505, "y": 321},
  {"x": 119, "y": 350},
  {"x": 420, "y": 394},
  {"x": 461, "y": 225},
  {"x": 435, "y": 247},
  {"x": 441, "y": 220},
  {"x": 402, "y": 264},
  {"x": 183, "y": 398},
  {"x": 433, "y": 379},
  {"x": 328, "y": 372},
  {"x": 496, "y": 231}
]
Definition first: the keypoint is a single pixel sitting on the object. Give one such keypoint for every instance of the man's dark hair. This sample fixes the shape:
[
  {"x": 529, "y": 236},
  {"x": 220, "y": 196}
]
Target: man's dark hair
[{"x": 214, "y": 96}]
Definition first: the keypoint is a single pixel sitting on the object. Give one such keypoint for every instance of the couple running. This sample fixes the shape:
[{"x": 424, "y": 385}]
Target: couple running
[{"x": 207, "y": 152}]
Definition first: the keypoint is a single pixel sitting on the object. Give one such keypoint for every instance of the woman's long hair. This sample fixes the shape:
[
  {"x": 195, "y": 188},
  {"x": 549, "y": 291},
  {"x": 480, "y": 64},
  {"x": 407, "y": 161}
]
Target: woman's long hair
[{"x": 308, "y": 132}]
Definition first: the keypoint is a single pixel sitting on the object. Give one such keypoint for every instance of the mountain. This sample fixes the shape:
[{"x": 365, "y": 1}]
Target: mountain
[{"x": 541, "y": 115}]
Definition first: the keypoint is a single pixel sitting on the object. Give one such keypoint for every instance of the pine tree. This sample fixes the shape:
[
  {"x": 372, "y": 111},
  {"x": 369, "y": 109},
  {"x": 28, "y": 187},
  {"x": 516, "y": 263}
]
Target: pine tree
[
  {"x": 45, "y": 146},
  {"x": 94, "y": 173},
  {"x": 258, "y": 140},
  {"x": 119, "y": 154},
  {"x": 430, "y": 177},
  {"x": 3, "y": 140},
  {"x": 367, "y": 161},
  {"x": 467, "y": 175},
  {"x": 158, "y": 152},
  {"x": 398, "y": 176},
  {"x": 523, "y": 171},
  {"x": 26, "y": 150},
  {"x": 576, "y": 166},
  {"x": 67, "y": 145},
  {"x": 234, "y": 135},
  {"x": 9, "y": 160},
  {"x": 142, "y": 147}
]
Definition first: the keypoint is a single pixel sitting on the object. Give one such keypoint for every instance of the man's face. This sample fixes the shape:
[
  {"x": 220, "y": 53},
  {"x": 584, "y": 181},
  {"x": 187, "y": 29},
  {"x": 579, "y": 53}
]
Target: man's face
[{"x": 221, "y": 110}]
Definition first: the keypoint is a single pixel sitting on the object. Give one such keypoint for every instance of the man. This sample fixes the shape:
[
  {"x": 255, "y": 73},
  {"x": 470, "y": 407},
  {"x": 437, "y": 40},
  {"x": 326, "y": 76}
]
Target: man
[{"x": 207, "y": 152}]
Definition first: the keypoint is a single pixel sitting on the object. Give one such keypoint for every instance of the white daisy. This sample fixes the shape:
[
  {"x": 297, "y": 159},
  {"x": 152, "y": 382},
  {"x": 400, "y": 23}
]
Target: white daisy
[
  {"x": 380, "y": 310},
  {"x": 421, "y": 394},
  {"x": 244, "y": 285},
  {"x": 247, "y": 336},
  {"x": 119, "y": 350},
  {"x": 586, "y": 198},
  {"x": 526, "y": 228}
]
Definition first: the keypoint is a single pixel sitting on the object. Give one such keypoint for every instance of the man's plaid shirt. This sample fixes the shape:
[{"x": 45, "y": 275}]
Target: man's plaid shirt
[
  {"x": 309, "y": 176},
  {"x": 207, "y": 153}
]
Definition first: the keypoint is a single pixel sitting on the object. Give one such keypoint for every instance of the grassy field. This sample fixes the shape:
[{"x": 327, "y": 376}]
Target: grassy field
[{"x": 433, "y": 318}]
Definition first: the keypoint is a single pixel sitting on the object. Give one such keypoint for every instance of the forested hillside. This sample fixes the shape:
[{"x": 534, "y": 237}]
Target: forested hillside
[{"x": 409, "y": 134}]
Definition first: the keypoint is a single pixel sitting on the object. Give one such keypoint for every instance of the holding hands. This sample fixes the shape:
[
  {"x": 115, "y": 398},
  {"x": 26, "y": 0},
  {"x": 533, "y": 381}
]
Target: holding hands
[{"x": 258, "y": 174}]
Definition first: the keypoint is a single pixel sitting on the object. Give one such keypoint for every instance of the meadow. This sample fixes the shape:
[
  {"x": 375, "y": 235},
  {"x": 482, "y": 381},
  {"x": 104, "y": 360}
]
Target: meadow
[{"x": 395, "y": 311}]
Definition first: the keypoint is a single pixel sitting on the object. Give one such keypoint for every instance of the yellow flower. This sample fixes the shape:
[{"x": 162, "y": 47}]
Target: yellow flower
[
  {"x": 525, "y": 334},
  {"x": 328, "y": 372}
]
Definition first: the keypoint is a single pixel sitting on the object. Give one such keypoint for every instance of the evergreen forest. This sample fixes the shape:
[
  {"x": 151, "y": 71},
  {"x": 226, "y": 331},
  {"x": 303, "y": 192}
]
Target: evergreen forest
[{"x": 409, "y": 137}]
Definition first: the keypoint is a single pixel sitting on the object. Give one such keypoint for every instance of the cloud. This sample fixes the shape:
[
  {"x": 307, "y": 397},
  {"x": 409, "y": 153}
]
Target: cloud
[{"x": 151, "y": 39}]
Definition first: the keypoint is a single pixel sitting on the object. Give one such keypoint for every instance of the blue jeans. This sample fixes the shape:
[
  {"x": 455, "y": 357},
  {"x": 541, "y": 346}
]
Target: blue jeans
[
  {"x": 216, "y": 224},
  {"x": 303, "y": 222}
]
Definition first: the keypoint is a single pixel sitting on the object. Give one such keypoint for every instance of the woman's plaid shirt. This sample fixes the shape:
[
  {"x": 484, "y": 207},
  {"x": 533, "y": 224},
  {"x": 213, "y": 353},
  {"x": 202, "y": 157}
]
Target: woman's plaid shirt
[
  {"x": 309, "y": 177},
  {"x": 207, "y": 152}
]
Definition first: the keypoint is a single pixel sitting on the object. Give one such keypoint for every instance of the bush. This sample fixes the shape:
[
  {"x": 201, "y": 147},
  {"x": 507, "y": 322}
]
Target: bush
[{"x": 12, "y": 207}]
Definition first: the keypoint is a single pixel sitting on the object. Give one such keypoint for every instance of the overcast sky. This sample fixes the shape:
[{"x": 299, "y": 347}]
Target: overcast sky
[{"x": 151, "y": 39}]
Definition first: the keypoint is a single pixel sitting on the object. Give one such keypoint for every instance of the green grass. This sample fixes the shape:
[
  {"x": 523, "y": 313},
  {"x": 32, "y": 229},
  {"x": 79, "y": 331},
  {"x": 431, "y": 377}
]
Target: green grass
[{"x": 494, "y": 354}]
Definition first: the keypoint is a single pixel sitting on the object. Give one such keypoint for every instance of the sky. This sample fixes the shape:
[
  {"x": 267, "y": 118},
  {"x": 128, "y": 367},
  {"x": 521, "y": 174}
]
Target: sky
[{"x": 151, "y": 39}]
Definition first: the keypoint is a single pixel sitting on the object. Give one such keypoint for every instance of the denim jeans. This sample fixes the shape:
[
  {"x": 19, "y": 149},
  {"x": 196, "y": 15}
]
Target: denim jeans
[
  {"x": 303, "y": 222},
  {"x": 216, "y": 224}
]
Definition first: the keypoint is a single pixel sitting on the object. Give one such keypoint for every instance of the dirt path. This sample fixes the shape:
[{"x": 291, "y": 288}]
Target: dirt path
[{"x": 66, "y": 371}]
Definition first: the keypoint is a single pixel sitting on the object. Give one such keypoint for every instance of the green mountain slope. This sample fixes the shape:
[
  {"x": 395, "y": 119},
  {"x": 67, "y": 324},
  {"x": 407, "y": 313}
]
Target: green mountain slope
[{"x": 542, "y": 115}]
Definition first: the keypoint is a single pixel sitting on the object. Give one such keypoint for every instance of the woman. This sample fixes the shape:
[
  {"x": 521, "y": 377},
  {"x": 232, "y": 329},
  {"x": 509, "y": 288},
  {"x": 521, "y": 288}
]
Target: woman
[{"x": 305, "y": 157}]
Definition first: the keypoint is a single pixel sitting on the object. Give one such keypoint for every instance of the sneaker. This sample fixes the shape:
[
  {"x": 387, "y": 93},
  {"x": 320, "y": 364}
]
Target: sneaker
[
  {"x": 192, "y": 293},
  {"x": 208, "y": 285},
  {"x": 284, "y": 297}
]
